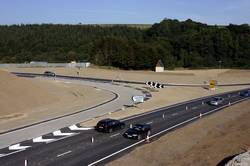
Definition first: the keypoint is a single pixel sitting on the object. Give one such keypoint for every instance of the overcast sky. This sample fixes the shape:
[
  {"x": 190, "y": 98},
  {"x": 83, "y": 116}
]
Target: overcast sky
[{"x": 219, "y": 12}]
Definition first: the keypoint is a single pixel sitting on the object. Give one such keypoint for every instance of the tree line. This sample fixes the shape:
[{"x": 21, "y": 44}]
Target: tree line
[{"x": 185, "y": 44}]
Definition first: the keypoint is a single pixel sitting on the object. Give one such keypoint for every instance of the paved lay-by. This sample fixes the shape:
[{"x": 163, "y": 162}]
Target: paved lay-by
[{"x": 88, "y": 147}]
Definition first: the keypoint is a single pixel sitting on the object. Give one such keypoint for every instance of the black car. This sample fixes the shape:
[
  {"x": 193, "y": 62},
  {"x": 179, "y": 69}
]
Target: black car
[
  {"x": 49, "y": 74},
  {"x": 109, "y": 125},
  {"x": 245, "y": 93},
  {"x": 138, "y": 132}
]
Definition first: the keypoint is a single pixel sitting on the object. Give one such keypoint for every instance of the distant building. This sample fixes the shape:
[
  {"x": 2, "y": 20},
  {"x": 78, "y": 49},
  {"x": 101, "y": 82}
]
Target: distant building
[{"x": 159, "y": 66}]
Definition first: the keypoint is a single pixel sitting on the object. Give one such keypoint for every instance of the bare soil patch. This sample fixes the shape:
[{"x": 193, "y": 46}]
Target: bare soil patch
[{"x": 26, "y": 101}]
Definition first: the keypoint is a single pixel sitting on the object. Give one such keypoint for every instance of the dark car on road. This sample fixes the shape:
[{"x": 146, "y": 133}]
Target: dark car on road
[
  {"x": 49, "y": 74},
  {"x": 216, "y": 101},
  {"x": 109, "y": 125},
  {"x": 245, "y": 93},
  {"x": 138, "y": 131}
]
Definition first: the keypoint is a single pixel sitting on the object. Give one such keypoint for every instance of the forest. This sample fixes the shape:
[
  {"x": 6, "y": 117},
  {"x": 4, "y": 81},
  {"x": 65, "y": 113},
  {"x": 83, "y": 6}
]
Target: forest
[{"x": 185, "y": 44}]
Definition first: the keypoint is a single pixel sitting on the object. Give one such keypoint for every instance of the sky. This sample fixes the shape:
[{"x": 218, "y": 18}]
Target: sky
[{"x": 220, "y": 12}]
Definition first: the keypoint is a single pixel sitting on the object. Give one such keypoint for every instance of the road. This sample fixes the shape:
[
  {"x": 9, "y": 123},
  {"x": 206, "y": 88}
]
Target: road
[
  {"x": 88, "y": 147},
  {"x": 122, "y": 97}
]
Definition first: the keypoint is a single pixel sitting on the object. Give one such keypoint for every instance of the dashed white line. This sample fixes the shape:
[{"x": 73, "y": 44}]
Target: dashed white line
[
  {"x": 62, "y": 154},
  {"x": 114, "y": 135},
  {"x": 189, "y": 120},
  {"x": 150, "y": 122}
]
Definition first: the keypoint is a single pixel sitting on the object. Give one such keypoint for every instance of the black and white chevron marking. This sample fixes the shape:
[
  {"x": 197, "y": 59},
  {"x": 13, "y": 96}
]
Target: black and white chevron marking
[
  {"x": 154, "y": 84},
  {"x": 48, "y": 138}
]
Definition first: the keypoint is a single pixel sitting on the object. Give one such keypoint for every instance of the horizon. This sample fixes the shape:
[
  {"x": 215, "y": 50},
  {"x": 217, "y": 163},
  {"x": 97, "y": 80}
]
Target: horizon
[{"x": 98, "y": 12}]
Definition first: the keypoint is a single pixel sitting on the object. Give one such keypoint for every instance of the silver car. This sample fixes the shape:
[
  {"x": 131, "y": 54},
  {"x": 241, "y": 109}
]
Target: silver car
[{"x": 216, "y": 101}]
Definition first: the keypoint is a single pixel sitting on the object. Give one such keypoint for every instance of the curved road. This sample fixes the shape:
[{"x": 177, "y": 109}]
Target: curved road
[{"x": 123, "y": 97}]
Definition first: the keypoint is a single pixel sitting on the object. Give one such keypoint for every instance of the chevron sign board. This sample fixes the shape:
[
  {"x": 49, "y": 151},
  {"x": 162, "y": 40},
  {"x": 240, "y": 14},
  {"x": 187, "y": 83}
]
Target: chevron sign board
[{"x": 154, "y": 84}]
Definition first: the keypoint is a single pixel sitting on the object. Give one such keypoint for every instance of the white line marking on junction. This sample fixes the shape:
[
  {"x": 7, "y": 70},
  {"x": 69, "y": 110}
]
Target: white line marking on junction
[
  {"x": 74, "y": 127},
  {"x": 191, "y": 119},
  {"x": 174, "y": 114},
  {"x": 59, "y": 133},
  {"x": 18, "y": 147},
  {"x": 11, "y": 153},
  {"x": 59, "y": 155},
  {"x": 114, "y": 135},
  {"x": 40, "y": 139}
]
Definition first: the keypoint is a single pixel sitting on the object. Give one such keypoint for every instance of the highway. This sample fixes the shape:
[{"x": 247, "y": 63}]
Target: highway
[{"x": 80, "y": 147}]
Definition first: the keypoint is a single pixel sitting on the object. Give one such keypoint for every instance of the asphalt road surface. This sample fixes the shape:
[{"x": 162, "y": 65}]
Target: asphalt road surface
[
  {"x": 122, "y": 98},
  {"x": 89, "y": 147}
]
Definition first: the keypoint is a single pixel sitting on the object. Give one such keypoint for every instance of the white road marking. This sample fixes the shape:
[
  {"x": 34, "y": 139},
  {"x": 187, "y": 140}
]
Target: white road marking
[
  {"x": 18, "y": 147},
  {"x": 2, "y": 155},
  {"x": 174, "y": 114},
  {"x": 114, "y": 135},
  {"x": 150, "y": 122},
  {"x": 74, "y": 127},
  {"x": 59, "y": 155},
  {"x": 59, "y": 133},
  {"x": 62, "y": 138},
  {"x": 191, "y": 119},
  {"x": 40, "y": 139}
]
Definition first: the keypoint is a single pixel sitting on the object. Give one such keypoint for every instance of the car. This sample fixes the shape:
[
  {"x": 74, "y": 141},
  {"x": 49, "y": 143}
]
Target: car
[
  {"x": 216, "y": 101},
  {"x": 138, "y": 131},
  {"x": 49, "y": 74},
  {"x": 109, "y": 125},
  {"x": 245, "y": 93}
]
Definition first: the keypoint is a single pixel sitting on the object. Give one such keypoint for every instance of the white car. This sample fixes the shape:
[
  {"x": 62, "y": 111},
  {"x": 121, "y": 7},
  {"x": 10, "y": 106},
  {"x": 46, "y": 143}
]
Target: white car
[{"x": 216, "y": 101}]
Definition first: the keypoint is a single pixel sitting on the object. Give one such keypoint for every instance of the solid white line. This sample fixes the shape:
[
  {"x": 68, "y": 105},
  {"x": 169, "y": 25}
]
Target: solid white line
[
  {"x": 178, "y": 104},
  {"x": 114, "y": 135},
  {"x": 59, "y": 155},
  {"x": 2, "y": 155},
  {"x": 189, "y": 120}
]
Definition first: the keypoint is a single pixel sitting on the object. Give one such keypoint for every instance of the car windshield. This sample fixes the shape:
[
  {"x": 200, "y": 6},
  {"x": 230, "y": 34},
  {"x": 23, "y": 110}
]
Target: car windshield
[
  {"x": 132, "y": 131},
  {"x": 217, "y": 98},
  {"x": 138, "y": 127}
]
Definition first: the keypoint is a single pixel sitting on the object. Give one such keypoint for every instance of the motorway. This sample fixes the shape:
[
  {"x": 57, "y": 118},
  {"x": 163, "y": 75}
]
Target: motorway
[{"x": 78, "y": 147}]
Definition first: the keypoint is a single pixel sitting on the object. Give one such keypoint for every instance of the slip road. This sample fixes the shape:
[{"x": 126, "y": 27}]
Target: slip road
[{"x": 92, "y": 148}]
